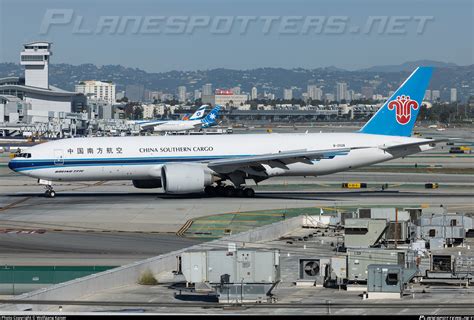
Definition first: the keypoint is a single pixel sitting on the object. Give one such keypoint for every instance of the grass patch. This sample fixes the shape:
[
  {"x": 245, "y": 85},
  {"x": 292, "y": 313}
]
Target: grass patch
[{"x": 147, "y": 278}]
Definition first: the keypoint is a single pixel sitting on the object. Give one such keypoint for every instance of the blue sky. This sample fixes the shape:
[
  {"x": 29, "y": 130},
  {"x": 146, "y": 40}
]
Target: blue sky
[{"x": 447, "y": 37}]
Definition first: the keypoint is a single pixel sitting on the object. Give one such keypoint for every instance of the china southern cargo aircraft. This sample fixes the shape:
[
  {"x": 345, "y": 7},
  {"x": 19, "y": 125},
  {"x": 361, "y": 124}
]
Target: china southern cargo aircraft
[
  {"x": 197, "y": 121},
  {"x": 190, "y": 164}
]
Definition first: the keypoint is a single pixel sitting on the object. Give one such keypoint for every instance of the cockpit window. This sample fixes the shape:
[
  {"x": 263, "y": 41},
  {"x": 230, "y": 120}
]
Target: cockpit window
[{"x": 22, "y": 155}]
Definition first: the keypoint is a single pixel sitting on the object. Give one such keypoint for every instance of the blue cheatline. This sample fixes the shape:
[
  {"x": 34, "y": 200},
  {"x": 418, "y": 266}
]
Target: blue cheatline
[
  {"x": 397, "y": 116},
  {"x": 25, "y": 165}
]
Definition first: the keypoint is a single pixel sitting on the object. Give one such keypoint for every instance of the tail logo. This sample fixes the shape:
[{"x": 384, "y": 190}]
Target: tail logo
[{"x": 403, "y": 106}]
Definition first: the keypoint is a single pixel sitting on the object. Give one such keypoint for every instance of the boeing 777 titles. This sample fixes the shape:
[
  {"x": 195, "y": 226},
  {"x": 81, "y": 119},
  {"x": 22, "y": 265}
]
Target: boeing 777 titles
[{"x": 222, "y": 164}]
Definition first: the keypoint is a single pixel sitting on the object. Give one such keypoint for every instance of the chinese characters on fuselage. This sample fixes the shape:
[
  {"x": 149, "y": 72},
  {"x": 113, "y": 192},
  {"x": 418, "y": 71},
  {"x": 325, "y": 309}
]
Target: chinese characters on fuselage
[{"x": 107, "y": 150}]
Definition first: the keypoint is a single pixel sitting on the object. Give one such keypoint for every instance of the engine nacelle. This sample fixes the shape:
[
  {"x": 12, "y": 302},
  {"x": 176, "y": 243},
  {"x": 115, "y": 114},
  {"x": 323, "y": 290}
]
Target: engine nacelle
[
  {"x": 185, "y": 178},
  {"x": 147, "y": 184}
]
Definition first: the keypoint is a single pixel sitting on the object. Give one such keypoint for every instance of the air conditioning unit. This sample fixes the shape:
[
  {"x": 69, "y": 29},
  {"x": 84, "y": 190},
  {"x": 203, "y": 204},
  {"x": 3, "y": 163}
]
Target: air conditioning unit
[{"x": 310, "y": 269}]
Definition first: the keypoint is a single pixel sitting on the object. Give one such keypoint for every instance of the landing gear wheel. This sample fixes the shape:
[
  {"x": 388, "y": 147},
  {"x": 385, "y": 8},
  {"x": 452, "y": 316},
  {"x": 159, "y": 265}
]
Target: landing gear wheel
[
  {"x": 229, "y": 191},
  {"x": 249, "y": 192},
  {"x": 49, "y": 193},
  {"x": 220, "y": 191},
  {"x": 210, "y": 191},
  {"x": 239, "y": 192}
]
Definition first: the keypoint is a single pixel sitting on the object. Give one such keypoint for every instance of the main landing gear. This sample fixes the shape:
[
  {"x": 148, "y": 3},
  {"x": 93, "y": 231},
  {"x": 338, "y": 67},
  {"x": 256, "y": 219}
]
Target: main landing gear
[{"x": 229, "y": 191}]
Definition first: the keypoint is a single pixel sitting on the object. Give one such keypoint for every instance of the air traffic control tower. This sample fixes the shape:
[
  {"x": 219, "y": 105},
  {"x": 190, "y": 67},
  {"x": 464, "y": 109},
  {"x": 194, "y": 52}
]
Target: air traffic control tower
[{"x": 35, "y": 58}]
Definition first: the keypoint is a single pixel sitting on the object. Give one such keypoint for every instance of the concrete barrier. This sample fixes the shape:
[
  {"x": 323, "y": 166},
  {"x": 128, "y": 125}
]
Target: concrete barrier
[{"x": 129, "y": 274}]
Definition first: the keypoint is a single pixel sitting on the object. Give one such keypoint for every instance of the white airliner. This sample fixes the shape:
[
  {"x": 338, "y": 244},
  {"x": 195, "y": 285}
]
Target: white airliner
[
  {"x": 196, "y": 121},
  {"x": 191, "y": 164}
]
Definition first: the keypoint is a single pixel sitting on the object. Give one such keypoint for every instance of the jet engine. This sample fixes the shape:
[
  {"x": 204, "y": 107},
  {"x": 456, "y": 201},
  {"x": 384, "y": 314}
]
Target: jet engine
[
  {"x": 147, "y": 184},
  {"x": 185, "y": 178}
]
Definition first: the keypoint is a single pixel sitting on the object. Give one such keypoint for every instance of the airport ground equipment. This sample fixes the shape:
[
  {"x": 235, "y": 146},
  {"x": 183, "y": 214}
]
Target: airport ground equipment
[
  {"x": 452, "y": 227},
  {"x": 398, "y": 232},
  {"x": 359, "y": 259},
  {"x": 450, "y": 266},
  {"x": 363, "y": 233},
  {"x": 354, "y": 185},
  {"x": 236, "y": 275},
  {"x": 387, "y": 281},
  {"x": 313, "y": 271}
]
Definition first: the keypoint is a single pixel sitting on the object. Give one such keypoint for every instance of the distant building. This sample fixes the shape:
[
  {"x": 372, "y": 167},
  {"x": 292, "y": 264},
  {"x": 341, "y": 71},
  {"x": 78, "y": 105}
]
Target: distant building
[
  {"x": 197, "y": 94},
  {"x": 368, "y": 92},
  {"x": 207, "y": 89},
  {"x": 44, "y": 100},
  {"x": 119, "y": 95},
  {"x": 435, "y": 95},
  {"x": 153, "y": 95},
  {"x": 287, "y": 94},
  {"x": 207, "y": 94},
  {"x": 314, "y": 93},
  {"x": 329, "y": 97},
  {"x": 253, "y": 94},
  {"x": 236, "y": 90},
  {"x": 225, "y": 97},
  {"x": 134, "y": 92},
  {"x": 269, "y": 96},
  {"x": 454, "y": 95},
  {"x": 341, "y": 91},
  {"x": 98, "y": 90},
  {"x": 181, "y": 93},
  {"x": 149, "y": 111},
  {"x": 427, "y": 96}
]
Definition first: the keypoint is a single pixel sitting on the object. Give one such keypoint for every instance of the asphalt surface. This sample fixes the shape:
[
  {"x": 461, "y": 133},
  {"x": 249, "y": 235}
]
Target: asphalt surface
[{"x": 141, "y": 223}]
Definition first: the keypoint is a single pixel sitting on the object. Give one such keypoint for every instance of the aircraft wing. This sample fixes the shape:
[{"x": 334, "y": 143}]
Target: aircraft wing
[
  {"x": 147, "y": 125},
  {"x": 274, "y": 160},
  {"x": 415, "y": 144}
]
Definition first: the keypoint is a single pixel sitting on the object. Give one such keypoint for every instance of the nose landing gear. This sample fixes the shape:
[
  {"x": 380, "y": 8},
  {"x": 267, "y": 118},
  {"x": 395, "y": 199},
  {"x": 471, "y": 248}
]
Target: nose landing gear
[{"x": 49, "y": 193}]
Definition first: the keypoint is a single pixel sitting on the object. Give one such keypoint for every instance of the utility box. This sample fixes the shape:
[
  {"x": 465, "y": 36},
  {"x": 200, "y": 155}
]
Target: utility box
[
  {"x": 248, "y": 266},
  {"x": 313, "y": 271},
  {"x": 338, "y": 270},
  {"x": 363, "y": 233},
  {"x": 237, "y": 276},
  {"x": 359, "y": 259},
  {"x": 397, "y": 231},
  {"x": 385, "y": 281}
]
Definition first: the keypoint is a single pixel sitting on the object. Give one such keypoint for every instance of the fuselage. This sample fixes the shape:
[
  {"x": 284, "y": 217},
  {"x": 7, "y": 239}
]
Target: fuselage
[
  {"x": 170, "y": 125},
  {"x": 141, "y": 158}
]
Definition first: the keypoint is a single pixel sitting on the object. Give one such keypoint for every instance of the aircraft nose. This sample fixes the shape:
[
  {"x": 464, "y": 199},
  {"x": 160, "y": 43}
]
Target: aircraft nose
[{"x": 12, "y": 165}]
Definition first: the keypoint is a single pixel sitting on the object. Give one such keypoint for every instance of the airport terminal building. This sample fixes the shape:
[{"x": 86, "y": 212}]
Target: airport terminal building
[{"x": 38, "y": 100}]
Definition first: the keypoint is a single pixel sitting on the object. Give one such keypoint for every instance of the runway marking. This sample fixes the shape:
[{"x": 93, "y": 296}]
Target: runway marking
[
  {"x": 13, "y": 204},
  {"x": 184, "y": 228}
]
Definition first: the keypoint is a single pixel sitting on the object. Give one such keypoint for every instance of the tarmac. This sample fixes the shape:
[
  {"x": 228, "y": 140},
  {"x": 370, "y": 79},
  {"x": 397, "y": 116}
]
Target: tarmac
[
  {"x": 164, "y": 298},
  {"x": 114, "y": 223}
]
